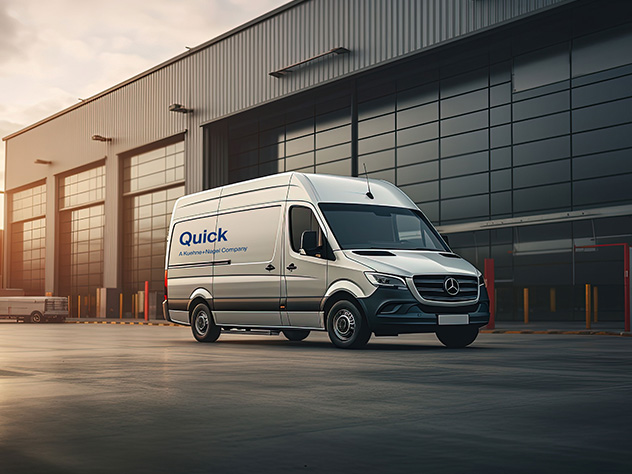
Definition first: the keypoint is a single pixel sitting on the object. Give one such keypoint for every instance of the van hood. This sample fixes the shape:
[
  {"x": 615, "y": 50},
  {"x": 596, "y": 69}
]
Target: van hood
[{"x": 408, "y": 263}]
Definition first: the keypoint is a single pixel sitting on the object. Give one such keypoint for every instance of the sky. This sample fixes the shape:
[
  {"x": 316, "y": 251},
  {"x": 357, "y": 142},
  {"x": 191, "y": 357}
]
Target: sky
[{"x": 55, "y": 52}]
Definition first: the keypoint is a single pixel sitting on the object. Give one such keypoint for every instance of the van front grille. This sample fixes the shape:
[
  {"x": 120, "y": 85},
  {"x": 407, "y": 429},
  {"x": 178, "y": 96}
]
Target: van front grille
[{"x": 434, "y": 288}]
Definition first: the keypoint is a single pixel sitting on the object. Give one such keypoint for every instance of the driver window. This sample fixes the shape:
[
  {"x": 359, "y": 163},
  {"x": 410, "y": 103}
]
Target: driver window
[{"x": 303, "y": 219}]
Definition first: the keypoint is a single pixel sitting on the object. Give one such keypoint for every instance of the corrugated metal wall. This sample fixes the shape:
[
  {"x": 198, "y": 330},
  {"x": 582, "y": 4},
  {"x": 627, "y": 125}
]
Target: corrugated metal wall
[{"x": 232, "y": 75}]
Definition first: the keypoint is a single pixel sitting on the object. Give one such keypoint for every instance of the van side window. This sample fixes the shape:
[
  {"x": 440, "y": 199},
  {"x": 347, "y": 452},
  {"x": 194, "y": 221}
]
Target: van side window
[{"x": 302, "y": 219}]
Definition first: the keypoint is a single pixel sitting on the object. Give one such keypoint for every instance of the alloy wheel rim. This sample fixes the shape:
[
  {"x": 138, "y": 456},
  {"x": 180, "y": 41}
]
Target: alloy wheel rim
[
  {"x": 344, "y": 324},
  {"x": 202, "y": 323}
]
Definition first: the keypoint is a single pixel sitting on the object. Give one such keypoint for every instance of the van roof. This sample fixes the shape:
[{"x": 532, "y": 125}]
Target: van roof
[{"x": 317, "y": 188}]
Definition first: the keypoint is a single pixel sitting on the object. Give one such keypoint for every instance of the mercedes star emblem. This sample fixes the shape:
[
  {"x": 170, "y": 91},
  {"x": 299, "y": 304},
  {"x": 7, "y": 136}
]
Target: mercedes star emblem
[{"x": 451, "y": 286}]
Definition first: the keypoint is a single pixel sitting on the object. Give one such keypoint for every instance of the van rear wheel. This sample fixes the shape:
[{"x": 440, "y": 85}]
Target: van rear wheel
[
  {"x": 296, "y": 334},
  {"x": 346, "y": 326},
  {"x": 456, "y": 337},
  {"x": 202, "y": 325}
]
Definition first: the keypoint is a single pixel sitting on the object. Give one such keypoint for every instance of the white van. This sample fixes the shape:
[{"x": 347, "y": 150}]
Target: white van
[{"x": 295, "y": 253}]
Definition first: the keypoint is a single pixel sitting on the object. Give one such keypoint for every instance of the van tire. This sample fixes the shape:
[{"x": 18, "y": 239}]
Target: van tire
[
  {"x": 36, "y": 317},
  {"x": 457, "y": 337},
  {"x": 296, "y": 334},
  {"x": 346, "y": 326},
  {"x": 202, "y": 324}
]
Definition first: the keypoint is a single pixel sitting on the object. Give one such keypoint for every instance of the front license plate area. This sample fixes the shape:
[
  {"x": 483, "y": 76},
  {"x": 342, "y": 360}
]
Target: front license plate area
[{"x": 450, "y": 319}]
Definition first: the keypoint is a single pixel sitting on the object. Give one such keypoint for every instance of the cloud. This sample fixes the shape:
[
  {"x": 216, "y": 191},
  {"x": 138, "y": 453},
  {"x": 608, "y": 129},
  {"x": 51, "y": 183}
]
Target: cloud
[
  {"x": 9, "y": 37},
  {"x": 54, "y": 52}
]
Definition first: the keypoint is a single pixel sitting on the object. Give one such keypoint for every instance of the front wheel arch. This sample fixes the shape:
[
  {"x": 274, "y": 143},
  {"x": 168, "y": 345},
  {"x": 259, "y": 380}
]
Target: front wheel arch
[{"x": 339, "y": 296}]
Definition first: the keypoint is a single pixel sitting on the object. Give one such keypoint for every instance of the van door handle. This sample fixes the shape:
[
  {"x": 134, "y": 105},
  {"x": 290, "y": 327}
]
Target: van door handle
[
  {"x": 291, "y": 267},
  {"x": 270, "y": 267}
]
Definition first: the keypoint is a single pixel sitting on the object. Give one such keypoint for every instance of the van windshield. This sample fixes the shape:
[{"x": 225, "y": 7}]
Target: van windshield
[{"x": 359, "y": 226}]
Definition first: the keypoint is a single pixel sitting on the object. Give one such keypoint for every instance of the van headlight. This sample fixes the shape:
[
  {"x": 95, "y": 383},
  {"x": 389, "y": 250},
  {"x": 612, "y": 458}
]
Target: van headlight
[
  {"x": 481, "y": 280},
  {"x": 386, "y": 281}
]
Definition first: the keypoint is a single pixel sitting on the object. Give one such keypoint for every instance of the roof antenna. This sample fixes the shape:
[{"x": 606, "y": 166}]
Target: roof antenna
[{"x": 369, "y": 194}]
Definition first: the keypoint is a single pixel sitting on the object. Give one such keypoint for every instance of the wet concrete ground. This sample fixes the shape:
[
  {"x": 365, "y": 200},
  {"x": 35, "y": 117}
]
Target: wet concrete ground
[{"x": 110, "y": 398}]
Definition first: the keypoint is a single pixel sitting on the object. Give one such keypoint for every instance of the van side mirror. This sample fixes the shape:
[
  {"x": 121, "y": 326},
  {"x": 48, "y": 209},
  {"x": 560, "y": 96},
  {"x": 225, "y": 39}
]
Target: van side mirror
[{"x": 309, "y": 243}]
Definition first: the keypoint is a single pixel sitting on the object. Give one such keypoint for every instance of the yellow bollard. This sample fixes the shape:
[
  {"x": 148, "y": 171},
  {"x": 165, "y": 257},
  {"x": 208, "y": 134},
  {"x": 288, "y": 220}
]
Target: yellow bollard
[
  {"x": 98, "y": 306},
  {"x": 595, "y": 303},
  {"x": 121, "y": 306},
  {"x": 79, "y": 306},
  {"x": 587, "y": 306},
  {"x": 525, "y": 293},
  {"x": 552, "y": 300}
]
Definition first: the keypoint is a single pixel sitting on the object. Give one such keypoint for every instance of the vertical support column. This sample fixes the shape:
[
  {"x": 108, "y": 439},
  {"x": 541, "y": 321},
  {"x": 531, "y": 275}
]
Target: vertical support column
[
  {"x": 553, "y": 300},
  {"x": 146, "y": 306},
  {"x": 525, "y": 294},
  {"x": 626, "y": 285},
  {"x": 491, "y": 291},
  {"x": 79, "y": 306},
  {"x": 587, "y": 305}
]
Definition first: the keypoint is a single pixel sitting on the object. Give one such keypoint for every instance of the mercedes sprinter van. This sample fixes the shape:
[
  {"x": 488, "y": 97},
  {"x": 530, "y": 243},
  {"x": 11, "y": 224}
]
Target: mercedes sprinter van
[{"x": 295, "y": 253}]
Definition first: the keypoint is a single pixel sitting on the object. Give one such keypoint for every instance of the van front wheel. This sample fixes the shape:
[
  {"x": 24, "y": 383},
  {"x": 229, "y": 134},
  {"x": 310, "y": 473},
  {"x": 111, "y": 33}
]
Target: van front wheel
[
  {"x": 346, "y": 326},
  {"x": 456, "y": 337},
  {"x": 202, "y": 325}
]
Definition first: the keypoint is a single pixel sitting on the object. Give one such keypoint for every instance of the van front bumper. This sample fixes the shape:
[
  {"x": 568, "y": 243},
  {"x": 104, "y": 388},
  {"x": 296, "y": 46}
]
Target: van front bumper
[{"x": 391, "y": 312}]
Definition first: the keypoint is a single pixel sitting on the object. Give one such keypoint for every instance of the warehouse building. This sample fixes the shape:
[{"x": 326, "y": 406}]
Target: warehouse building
[{"x": 508, "y": 122}]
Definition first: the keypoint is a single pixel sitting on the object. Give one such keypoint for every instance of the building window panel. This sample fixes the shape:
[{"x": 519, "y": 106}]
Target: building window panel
[
  {"x": 603, "y": 191},
  {"x": 376, "y": 126},
  {"x": 373, "y": 108},
  {"x": 159, "y": 167},
  {"x": 417, "y": 96},
  {"x": 463, "y": 104},
  {"x": 604, "y": 164},
  {"x": 465, "y": 209},
  {"x": 605, "y": 91},
  {"x": 465, "y": 186},
  {"x": 420, "y": 152},
  {"x": 418, "y": 134},
  {"x": 418, "y": 115},
  {"x": 606, "y": 139},
  {"x": 465, "y": 143},
  {"x": 540, "y": 128},
  {"x": 552, "y": 197},
  {"x": 542, "y": 173},
  {"x": 541, "y": 67},
  {"x": 417, "y": 173},
  {"x": 544, "y": 150},
  {"x": 464, "y": 123},
  {"x": 467, "y": 164},
  {"x": 603, "y": 115},
  {"x": 542, "y": 105},
  {"x": 603, "y": 50}
]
